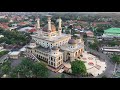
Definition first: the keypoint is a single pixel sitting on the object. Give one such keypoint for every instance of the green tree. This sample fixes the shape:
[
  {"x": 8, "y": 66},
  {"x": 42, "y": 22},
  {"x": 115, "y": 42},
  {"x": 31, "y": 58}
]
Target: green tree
[
  {"x": 6, "y": 67},
  {"x": 116, "y": 59},
  {"x": 78, "y": 67},
  {"x": 24, "y": 69},
  {"x": 2, "y": 20},
  {"x": 63, "y": 75},
  {"x": 40, "y": 70},
  {"x": 104, "y": 76},
  {"x": 28, "y": 69}
]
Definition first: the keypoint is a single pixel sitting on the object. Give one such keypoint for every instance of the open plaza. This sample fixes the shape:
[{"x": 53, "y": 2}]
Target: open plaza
[{"x": 93, "y": 64}]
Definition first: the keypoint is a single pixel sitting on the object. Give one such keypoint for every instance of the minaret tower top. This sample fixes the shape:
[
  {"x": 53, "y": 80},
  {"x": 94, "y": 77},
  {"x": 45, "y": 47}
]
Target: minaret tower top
[
  {"x": 38, "y": 23},
  {"x": 60, "y": 22},
  {"x": 49, "y": 22}
]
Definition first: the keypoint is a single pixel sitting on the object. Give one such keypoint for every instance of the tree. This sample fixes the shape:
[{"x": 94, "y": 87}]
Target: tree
[
  {"x": 28, "y": 69},
  {"x": 14, "y": 37},
  {"x": 104, "y": 76},
  {"x": 78, "y": 67},
  {"x": 40, "y": 70},
  {"x": 2, "y": 20},
  {"x": 116, "y": 59},
  {"x": 24, "y": 69},
  {"x": 63, "y": 75},
  {"x": 6, "y": 67}
]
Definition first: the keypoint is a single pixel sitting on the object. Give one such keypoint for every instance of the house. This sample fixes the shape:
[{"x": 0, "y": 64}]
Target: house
[
  {"x": 14, "y": 54},
  {"x": 32, "y": 30},
  {"x": 4, "y": 26},
  {"x": 89, "y": 33}
]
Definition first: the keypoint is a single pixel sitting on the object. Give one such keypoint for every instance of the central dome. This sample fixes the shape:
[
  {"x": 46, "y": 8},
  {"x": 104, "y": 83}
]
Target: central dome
[{"x": 53, "y": 28}]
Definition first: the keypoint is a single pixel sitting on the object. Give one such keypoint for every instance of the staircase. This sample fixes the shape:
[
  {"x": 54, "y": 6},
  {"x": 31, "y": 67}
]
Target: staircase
[{"x": 32, "y": 56}]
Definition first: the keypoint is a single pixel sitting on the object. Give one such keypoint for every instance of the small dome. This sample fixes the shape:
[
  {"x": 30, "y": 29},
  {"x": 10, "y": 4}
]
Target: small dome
[
  {"x": 53, "y": 28},
  {"x": 72, "y": 41},
  {"x": 32, "y": 41},
  {"x": 55, "y": 48}
]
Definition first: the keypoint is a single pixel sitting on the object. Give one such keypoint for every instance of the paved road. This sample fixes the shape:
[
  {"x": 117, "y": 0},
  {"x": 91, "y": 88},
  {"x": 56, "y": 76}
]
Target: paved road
[
  {"x": 3, "y": 58},
  {"x": 110, "y": 66}
]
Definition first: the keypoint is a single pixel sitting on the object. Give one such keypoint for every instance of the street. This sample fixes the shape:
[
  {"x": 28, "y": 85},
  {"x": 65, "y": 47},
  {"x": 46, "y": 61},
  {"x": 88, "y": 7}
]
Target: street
[{"x": 110, "y": 66}]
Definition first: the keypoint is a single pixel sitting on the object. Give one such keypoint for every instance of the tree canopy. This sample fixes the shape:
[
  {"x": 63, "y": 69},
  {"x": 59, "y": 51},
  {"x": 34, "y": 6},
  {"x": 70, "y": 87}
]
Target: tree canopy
[
  {"x": 29, "y": 69},
  {"x": 78, "y": 67},
  {"x": 116, "y": 59},
  {"x": 14, "y": 37}
]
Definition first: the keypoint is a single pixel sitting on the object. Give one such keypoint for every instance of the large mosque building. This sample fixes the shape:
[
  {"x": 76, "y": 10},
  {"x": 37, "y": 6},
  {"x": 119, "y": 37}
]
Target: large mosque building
[{"x": 53, "y": 46}]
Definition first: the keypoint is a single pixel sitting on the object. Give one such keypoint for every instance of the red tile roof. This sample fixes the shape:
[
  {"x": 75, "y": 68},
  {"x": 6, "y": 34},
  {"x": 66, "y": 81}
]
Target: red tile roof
[
  {"x": 89, "y": 33},
  {"x": 4, "y": 25},
  {"x": 32, "y": 30}
]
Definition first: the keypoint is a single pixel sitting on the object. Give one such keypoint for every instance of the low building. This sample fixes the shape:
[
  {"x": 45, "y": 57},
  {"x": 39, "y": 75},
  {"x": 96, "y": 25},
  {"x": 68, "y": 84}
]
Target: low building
[
  {"x": 111, "y": 33},
  {"x": 1, "y": 36},
  {"x": 90, "y": 34},
  {"x": 111, "y": 50},
  {"x": 14, "y": 54}
]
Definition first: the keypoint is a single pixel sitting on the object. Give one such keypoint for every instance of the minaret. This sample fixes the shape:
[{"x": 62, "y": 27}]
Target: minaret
[
  {"x": 59, "y": 28},
  {"x": 38, "y": 27},
  {"x": 49, "y": 22},
  {"x": 38, "y": 23}
]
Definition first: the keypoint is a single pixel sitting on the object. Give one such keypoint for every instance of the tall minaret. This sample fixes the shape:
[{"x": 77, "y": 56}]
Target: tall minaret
[
  {"x": 49, "y": 22},
  {"x": 59, "y": 28},
  {"x": 38, "y": 23},
  {"x": 38, "y": 27}
]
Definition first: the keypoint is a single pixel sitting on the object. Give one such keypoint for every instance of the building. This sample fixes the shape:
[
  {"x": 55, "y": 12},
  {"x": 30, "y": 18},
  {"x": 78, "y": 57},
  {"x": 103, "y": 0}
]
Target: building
[
  {"x": 1, "y": 47},
  {"x": 14, "y": 54},
  {"x": 89, "y": 34},
  {"x": 1, "y": 36},
  {"x": 111, "y": 50},
  {"x": 111, "y": 33},
  {"x": 53, "y": 46}
]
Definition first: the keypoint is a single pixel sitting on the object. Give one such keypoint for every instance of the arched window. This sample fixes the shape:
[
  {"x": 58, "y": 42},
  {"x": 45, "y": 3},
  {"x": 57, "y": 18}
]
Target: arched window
[
  {"x": 51, "y": 63},
  {"x": 76, "y": 54},
  {"x": 51, "y": 58},
  {"x": 68, "y": 53},
  {"x": 59, "y": 58}
]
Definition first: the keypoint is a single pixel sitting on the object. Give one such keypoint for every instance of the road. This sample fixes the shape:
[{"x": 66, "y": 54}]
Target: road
[
  {"x": 110, "y": 66},
  {"x": 3, "y": 58}
]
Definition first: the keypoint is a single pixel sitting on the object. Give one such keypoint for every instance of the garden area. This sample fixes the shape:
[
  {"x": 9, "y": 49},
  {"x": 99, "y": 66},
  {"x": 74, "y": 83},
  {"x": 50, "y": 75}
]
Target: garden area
[
  {"x": 26, "y": 69},
  {"x": 3, "y": 53}
]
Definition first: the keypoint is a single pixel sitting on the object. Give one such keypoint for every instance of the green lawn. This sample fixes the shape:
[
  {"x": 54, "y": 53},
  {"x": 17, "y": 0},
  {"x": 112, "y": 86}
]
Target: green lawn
[{"x": 3, "y": 53}]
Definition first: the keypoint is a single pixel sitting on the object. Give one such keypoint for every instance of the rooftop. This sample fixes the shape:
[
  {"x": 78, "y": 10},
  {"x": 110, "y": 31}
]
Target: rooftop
[
  {"x": 42, "y": 49},
  {"x": 113, "y": 30},
  {"x": 14, "y": 53},
  {"x": 52, "y": 39},
  {"x": 66, "y": 47}
]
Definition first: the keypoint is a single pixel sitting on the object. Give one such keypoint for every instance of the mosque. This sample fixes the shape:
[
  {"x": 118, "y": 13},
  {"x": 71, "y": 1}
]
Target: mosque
[{"x": 54, "y": 47}]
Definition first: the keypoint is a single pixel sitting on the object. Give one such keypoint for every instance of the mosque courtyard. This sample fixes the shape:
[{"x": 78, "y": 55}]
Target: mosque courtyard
[{"x": 93, "y": 64}]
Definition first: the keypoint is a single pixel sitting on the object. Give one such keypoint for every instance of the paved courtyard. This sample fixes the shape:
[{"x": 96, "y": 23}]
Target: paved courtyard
[{"x": 94, "y": 65}]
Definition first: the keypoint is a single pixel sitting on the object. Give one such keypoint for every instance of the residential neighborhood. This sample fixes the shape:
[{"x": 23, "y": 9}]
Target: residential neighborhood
[{"x": 53, "y": 45}]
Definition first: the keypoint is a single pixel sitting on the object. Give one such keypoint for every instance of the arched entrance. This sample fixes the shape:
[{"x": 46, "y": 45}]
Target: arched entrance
[{"x": 68, "y": 56}]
